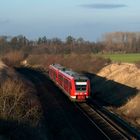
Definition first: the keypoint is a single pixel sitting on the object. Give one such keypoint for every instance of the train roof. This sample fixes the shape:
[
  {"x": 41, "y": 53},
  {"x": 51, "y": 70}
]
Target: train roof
[{"x": 76, "y": 75}]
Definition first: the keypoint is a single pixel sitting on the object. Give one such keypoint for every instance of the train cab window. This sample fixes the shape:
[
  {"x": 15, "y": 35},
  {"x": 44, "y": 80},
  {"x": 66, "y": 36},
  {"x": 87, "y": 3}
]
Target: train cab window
[{"x": 80, "y": 85}]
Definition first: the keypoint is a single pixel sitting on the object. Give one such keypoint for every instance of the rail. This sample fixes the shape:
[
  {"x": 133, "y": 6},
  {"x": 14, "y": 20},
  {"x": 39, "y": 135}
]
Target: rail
[{"x": 104, "y": 122}]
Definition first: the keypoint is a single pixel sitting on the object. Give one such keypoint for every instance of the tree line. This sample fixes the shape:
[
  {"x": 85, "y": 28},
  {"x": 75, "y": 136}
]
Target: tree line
[{"x": 115, "y": 42}]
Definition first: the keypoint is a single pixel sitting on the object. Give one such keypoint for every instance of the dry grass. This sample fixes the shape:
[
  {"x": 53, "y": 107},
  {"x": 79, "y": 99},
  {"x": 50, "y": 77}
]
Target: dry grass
[
  {"x": 131, "y": 111},
  {"x": 21, "y": 114},
  {"x": 124, "y": 73},
  {"x": 18, "y": 103},
  {"x": 2, "y": 65},
  {"x": 131, "y": 108}
]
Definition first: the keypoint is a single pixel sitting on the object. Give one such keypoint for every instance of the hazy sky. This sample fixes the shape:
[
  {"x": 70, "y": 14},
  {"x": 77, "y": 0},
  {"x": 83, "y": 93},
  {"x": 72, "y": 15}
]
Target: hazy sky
[{"x": 89, "y": 19}]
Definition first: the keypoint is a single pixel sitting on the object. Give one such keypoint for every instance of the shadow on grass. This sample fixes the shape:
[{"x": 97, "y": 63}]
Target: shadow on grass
[
  {"x": 13, "y": 130},
  {"x": 110, "y": 92}
]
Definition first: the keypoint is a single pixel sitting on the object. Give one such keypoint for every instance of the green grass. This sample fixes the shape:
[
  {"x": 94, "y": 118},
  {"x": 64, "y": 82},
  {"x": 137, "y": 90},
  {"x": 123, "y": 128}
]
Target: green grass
[{"x": 130, "y": 58}]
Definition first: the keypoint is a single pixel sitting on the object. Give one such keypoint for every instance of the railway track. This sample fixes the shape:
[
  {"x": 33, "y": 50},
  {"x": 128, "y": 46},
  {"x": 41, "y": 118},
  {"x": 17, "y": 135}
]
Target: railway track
[
  {"x": 104, "y": 123},
  {"x": 99, "y": 117},
  {"x": 63, "y": 119}
]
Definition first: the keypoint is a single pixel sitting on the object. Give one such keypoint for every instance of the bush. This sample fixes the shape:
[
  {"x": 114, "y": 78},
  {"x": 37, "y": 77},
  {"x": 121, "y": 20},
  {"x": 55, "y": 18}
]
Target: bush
[
  {"x": 13, "y": 58},
  {"x": 77, "y": 62},
  {"x": 17, "y": 103}
]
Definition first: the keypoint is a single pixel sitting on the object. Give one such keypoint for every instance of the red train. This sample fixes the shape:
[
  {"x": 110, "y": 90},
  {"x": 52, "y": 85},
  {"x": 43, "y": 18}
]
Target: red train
[{"x": 74, "y": 85}]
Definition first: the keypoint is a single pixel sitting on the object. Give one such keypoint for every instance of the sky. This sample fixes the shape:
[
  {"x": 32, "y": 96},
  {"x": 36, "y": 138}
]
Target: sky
[{"x": 89, "y": 19}]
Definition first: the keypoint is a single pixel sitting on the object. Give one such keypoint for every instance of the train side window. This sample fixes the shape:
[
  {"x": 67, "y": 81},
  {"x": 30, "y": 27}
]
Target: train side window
[
  {"x": 60, "y": 78},
  {"x": 69, "y": 86},
  {"x": 66, "y": 82},
  {"x": 54, "y": 75}
]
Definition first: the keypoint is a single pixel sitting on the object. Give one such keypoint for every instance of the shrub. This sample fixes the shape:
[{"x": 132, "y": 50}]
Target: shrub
[
  {"x": 77, "y": 62},
  {"x": 17, "y": 103},
  {"x": 13, "y": 58}
]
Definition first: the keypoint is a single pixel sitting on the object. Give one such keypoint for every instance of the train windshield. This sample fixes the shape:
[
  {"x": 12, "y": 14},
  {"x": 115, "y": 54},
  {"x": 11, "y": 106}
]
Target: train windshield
[{"x": 81, "y": 85}]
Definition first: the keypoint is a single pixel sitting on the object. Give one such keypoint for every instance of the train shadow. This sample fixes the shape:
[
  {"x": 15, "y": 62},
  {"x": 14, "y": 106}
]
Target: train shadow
[{"x": 109, "y": 92}]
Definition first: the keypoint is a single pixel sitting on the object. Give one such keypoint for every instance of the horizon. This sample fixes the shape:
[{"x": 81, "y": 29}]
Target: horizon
[{"x": 86, "y": 19}]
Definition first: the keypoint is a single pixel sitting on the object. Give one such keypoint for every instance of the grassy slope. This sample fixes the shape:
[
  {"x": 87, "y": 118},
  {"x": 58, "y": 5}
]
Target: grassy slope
[{"x": 130, "y": 58}]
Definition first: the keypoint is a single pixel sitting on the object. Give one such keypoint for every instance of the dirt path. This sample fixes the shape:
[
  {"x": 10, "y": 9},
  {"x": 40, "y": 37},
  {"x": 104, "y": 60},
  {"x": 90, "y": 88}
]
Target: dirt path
[{"x": 63, "y": 120}]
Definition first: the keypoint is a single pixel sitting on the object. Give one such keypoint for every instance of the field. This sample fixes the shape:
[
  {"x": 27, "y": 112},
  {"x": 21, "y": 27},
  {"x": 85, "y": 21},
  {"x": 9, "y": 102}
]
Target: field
[{"x": 130, "y": 58}]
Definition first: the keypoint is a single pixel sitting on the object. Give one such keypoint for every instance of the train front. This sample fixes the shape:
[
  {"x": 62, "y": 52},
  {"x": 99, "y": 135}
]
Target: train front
[{"x": 82, "y": 88}]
